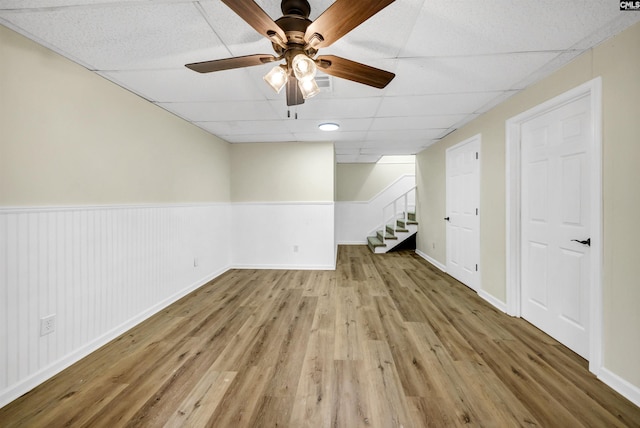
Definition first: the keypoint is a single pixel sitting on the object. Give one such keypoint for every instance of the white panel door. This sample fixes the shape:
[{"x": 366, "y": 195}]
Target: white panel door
[
  {"x": 463, "y": 202},
  {"x": 555, "y": 216}
]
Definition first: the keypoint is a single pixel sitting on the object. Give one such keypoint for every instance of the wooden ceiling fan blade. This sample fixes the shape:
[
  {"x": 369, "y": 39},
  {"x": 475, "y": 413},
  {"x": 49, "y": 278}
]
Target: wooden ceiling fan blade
[
  {"x": 230, "y": 63},
  {"x": 294, "y": 95},
  {"x": 354, "y": 71},
  {"x": 340, "y": 18},
  {"x": 258, "y": 19}
]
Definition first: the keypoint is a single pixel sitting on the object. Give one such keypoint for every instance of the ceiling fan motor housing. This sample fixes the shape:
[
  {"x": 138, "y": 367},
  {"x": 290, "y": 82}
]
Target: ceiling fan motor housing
[
  {"x": 294, "y": 22},
  {"x": 296, "y": 7}
]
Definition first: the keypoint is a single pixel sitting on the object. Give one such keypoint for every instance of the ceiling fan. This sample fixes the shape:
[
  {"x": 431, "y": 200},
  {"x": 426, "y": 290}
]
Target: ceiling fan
[{"x": 296, "y": 39}]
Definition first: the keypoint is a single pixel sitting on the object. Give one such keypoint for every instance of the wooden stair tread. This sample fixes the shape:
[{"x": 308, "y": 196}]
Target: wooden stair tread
[{"x": 375, "y": 241}]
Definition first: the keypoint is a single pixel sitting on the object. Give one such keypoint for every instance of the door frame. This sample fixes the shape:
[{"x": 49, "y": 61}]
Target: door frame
[
  {"x": 513, "y": 156},
  {"x": 476, "y": 138}
]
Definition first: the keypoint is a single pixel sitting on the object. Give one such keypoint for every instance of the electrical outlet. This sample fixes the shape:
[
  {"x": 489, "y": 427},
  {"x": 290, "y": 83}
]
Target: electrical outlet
[
  {"x": 195, "y": 262},
  {"x": 47, "y": 325},
  {"x": 295, "y": 248}
]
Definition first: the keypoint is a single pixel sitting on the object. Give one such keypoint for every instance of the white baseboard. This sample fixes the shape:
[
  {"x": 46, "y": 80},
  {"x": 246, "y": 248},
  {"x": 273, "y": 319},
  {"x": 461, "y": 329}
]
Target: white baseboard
[
  {"x": 283, "y": 267},
  {"x": 498, "y": 304},
  {"x": 353, "y": 242},
  {"x": 56, "y": 367},
  {"x": 628, "y": 390},
  {"x": 431, "y": 260}
]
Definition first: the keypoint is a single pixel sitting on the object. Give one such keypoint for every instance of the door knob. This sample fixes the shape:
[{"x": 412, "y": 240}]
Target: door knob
[
  {"x": 586, "y": 242},
  {"x": 447, "y": 218}
]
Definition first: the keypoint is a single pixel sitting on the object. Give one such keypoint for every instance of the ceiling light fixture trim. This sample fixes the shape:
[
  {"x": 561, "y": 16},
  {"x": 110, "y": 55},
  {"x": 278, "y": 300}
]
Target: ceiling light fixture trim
[{"x": 329, "y": 126}]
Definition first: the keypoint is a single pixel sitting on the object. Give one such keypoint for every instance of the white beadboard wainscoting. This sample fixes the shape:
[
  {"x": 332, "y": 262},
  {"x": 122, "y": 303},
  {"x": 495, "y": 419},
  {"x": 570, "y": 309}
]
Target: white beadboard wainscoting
[
  {"x": 284, "y": 235},
  {"x": 355, "y": 220},
  {"x": 100, "y": 271}
]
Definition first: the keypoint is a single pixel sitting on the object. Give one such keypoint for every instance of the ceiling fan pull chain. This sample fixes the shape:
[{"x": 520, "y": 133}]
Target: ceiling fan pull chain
[{"x": 295, "y": 114}]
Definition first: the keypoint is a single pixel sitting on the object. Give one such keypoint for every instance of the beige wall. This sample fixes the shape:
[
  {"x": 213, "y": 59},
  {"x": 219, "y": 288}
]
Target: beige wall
[
  {"x": 282, "y": 172},
  {"x": 618, "y": 62},
  {"x": 70, "y": 137},
  {"x": 363, "y": 181}
]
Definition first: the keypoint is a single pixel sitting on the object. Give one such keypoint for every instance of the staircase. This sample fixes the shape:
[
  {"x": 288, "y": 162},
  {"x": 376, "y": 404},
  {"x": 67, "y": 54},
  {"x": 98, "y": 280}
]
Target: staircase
[
  {"x": 397, "y": 227},
  {"x": 405, "y": 228}
]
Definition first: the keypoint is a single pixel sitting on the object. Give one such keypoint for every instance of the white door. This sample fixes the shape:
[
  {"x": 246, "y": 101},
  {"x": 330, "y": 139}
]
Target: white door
[
  {"x": 462, "y": 211},
  {"x": 555, "y": 216}
]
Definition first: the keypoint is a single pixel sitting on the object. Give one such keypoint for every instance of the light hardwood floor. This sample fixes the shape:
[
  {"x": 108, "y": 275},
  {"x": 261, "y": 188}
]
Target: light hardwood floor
[{"x": 384, "y": 341}]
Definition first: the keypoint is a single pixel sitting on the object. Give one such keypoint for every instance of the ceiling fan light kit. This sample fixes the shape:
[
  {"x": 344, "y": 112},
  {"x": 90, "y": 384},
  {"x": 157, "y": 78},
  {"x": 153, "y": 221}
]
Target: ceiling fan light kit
[
  {"x": 277, "y": 78},
  {"x": 296, "y": 40},
  {"x": 303, "y": 67},
  {"x": 309, "y": 88}
]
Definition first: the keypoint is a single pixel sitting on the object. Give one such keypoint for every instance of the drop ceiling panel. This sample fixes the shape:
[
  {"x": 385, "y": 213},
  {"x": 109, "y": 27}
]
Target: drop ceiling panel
[
  {"x": 381, "y": 35},
  {"x": 183, "y": 85},
  {"x": 434, "y": 104},
  {"x": 415, "y": 122},
  {"x": 377, "y": 146},
  {"x": 124, "y": 36},
  {"x": 245, "y": 127},
  {"x": 221, "y": 111},
  {"x": 357, "y": 158},
  {"x": 465, "y": 74},
  {"x": 346, "y": 125},
  {"x": 388, "y": 150},
  {"x": 501, "y": 26},
  {"x": 237, "y": 35},
  {"x": 355, "y": 136},
  {"x": 350, "y": 144},
  {"x": 321, "y": 108},
  {"x": 258, "y": 138},
  {"x": 32, "y": 4},
  {"x": 380, "y": 137}
]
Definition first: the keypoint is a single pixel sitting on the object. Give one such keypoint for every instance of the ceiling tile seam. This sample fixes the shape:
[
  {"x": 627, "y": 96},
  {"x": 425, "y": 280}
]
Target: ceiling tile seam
[
  {"x": 417, "y": 116},
  {"x": 375, "y": 113},
  {"x": 127, "y": 70},
  {"x": 444, "y": 93},
  {"x": 483, "y": 55},
  {"x": 410, "y": 32},
  {"x": 213, "y": 102},
  {"x": 203, "y": 13}
]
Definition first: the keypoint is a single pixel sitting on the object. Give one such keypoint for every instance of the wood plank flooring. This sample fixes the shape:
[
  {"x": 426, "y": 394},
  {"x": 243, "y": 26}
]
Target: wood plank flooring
[{"x": 384, "y": 341}]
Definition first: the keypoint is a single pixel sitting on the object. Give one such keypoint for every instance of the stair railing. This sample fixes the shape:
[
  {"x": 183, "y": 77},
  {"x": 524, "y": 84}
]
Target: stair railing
[{"x": 398, "y": 215}]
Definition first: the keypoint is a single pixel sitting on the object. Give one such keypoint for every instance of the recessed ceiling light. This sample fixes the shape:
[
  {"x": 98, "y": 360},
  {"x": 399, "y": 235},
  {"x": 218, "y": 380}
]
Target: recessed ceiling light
[{"x": 329, "y": 126}]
